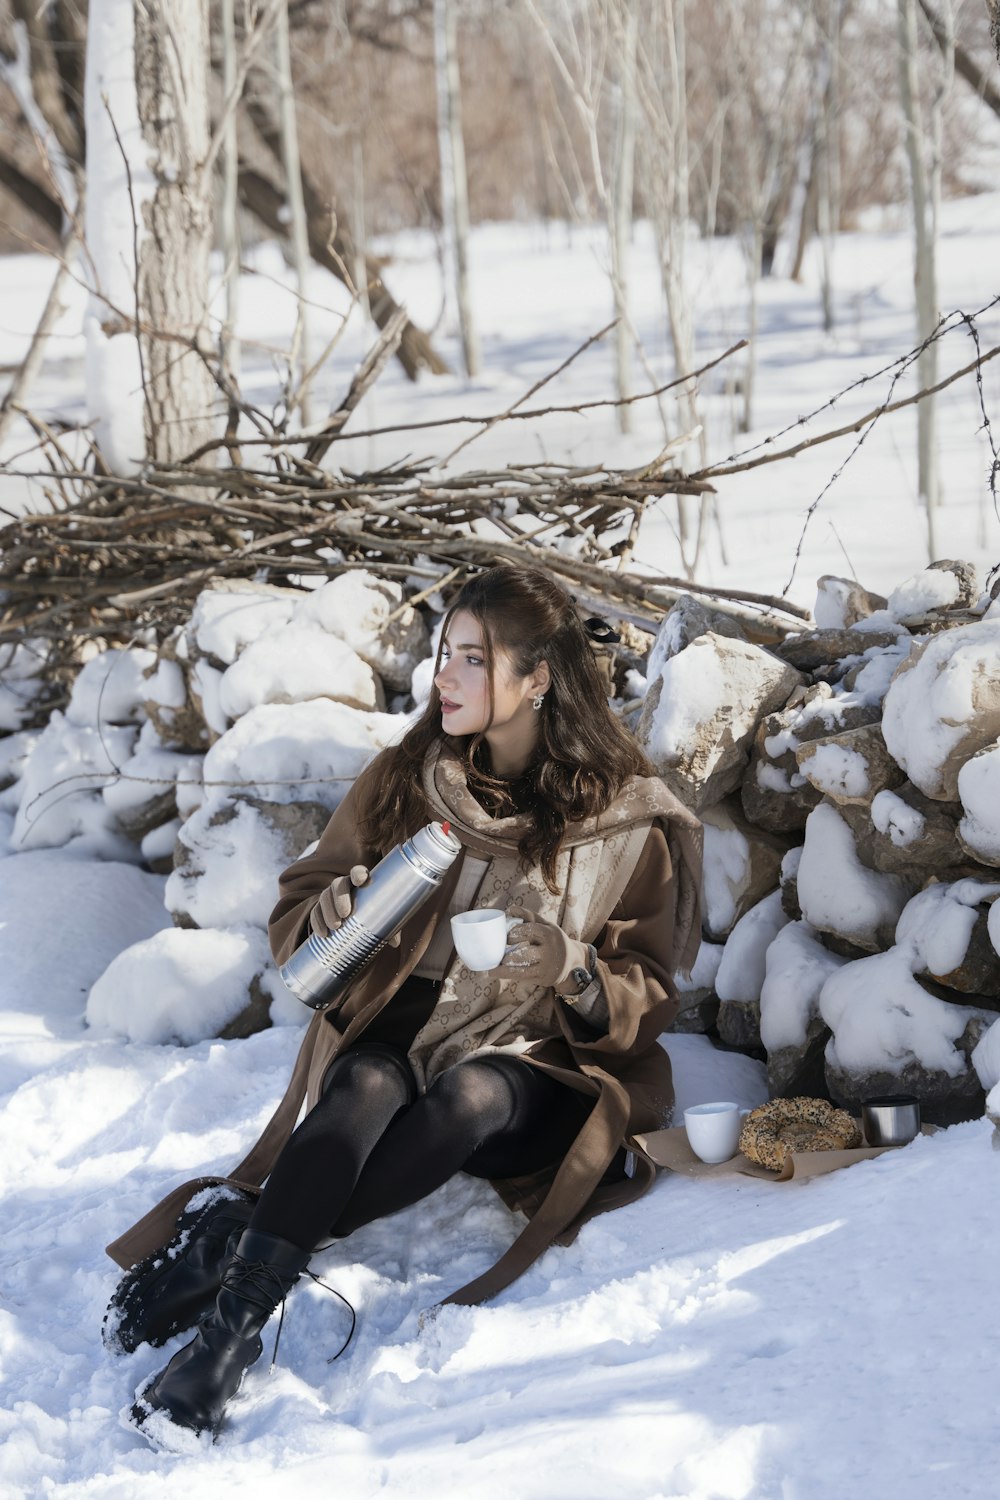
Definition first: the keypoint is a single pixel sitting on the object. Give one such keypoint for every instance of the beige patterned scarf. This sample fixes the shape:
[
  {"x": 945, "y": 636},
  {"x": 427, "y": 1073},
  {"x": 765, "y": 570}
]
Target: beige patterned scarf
[{"x": 478, "y": 1012}]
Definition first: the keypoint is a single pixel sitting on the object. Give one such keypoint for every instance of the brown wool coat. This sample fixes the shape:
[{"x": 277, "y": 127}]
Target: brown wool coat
[{"x": 652, "y": 931}]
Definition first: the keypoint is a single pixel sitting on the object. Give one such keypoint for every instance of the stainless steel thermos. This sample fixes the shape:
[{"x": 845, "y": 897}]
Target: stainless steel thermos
[{"x": 320, "y": 970}]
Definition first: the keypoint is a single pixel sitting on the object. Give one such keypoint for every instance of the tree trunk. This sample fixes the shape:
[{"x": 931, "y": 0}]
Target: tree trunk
[
  {"x": 624, "y": 193},
  {"x": 171, "y": 73},
  {"x": 148, "y": 229},
  {"x": 965, "y": 64},
  {"x": 454, "y": 181},
  {"x": 229, "y": 228},
  {"x": 924, "y": 274},
  {"x": 296, "y": 213}
]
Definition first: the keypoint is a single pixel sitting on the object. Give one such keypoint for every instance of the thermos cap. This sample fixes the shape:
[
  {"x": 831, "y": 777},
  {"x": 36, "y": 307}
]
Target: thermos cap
[{"x": 436, "y": 844}]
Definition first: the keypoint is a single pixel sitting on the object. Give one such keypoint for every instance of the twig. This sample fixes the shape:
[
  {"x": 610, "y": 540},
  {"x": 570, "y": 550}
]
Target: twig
[{"x": 720, "y": 471}]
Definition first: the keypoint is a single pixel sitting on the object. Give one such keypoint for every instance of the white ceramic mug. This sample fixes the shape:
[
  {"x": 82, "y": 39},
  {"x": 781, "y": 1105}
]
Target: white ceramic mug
[
  {"x": 713, "y": 1130},
  {"x": 480, "y": 937}
]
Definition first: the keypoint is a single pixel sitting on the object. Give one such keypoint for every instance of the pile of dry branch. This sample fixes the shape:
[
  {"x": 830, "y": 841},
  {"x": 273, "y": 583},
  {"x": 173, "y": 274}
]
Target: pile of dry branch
[{"x": 121, "y": 559}]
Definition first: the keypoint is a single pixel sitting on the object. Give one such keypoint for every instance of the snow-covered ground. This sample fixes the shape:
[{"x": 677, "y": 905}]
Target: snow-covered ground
[{"x": 720, "y": 1339}]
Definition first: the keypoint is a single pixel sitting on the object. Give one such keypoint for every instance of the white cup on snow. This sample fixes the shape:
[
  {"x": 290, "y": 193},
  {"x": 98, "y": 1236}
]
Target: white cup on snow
[
  {"x": 480, "y": 937},
  {"x": 713, "y": 1130}
]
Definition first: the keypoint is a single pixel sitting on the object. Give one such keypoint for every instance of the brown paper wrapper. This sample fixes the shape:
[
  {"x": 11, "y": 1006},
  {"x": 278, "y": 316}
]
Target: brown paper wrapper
[{"x": 670, "y": 1148}]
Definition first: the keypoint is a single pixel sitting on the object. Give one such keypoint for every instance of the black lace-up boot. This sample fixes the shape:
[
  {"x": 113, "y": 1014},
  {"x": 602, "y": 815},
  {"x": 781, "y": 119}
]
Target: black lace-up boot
[
  {"x": 193, "y": 1389},
  {"x": 175, "y": 1287}
]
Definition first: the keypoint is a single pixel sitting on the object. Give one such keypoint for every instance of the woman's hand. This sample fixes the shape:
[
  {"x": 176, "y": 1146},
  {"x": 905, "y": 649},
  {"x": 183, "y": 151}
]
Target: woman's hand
[
  {"x": 541, "y": 953},
  {"x": 337, "y": 901}
]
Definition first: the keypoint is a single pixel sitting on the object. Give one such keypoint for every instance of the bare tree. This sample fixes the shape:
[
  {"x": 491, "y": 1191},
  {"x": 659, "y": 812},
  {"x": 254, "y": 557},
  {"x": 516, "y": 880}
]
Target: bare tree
[
  {"x": 148, "y": 228},
  {"x": 924, "y": 156},
  {"x": 993, "y": 10},
  {"x": 454, "y": 182},
  {"x": 299, "y": 357}
]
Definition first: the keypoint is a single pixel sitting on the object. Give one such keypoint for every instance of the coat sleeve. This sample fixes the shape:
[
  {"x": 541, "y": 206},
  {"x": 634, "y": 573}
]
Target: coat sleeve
[
  {"x": 635, "y": 959},
  {"x": 300, "y": 887}
]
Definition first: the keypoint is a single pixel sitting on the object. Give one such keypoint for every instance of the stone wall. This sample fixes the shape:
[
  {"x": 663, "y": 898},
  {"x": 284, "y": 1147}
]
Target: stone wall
[{"x": 849, "y": 782}]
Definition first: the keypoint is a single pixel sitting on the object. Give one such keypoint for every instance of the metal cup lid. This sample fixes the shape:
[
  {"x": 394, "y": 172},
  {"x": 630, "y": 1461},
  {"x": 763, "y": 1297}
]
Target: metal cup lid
[{"x": 437, "y": 847}]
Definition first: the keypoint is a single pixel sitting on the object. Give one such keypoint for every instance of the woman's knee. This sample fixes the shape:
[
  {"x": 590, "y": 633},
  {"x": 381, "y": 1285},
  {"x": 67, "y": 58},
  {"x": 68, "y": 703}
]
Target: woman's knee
[
  {"x": 373, "y": 1075},
  {"x": 472, "y": 1097}
]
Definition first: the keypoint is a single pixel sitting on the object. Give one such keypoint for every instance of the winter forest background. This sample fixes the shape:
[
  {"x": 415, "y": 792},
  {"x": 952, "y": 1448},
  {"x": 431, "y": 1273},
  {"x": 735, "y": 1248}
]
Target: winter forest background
[{"x": 305, "y": 307}]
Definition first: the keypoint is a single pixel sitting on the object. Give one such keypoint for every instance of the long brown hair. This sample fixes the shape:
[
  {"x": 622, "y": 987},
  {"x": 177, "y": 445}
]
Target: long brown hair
[{"x": 584, "y": 755}]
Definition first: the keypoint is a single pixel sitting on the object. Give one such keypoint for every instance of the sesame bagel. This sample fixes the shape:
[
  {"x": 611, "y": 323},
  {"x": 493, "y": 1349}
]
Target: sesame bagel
[{"x": 781, "y": 1126}]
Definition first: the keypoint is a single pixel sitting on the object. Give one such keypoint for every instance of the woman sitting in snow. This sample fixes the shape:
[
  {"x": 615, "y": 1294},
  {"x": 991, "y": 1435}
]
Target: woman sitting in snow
[{"x": 533, "y": 1075}]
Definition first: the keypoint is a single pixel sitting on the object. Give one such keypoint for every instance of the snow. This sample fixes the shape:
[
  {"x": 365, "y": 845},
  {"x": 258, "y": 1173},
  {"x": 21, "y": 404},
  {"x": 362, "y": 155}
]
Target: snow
[
  {"x": 936, "y": 924},
  {"x": 741, "y": 972},
  {"x": 881, "y": 1018},
  {"x": 797, "y": 968},
  {"x": 943, "y": 704},
  {"x": 297, "y": 752},
  {"x": 932, "y": 588},
  {"x": 979, "y": 792},
  {"x": 725, "y": 870},
  {"x": 204, "y": 890},
  {"x": 60, "y": 796},
  {"x": 837, "y": 893},
  {"x": 720, "y": 1339},
  {"x": 180, "y": 985},
  {"x": 891, "y": 815},
  {"x": 836, "y": 769},
  {"x": 291, "y": 664}
]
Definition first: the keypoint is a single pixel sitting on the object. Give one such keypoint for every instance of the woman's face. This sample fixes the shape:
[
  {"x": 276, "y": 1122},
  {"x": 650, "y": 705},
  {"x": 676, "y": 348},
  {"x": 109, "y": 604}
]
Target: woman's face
[{"x": 464, "y": 688}]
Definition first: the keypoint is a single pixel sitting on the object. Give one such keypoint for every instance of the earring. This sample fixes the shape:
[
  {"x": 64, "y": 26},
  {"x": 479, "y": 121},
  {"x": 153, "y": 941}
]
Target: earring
[{"x": 536, "y": 703}]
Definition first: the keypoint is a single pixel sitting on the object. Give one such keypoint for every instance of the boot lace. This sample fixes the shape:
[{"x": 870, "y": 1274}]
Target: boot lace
[{"x": 248, "y": 1277}]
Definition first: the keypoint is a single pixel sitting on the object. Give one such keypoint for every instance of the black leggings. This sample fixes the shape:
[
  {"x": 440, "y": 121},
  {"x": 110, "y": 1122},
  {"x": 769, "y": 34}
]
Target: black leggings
[{"x": 371, "y": 1146}]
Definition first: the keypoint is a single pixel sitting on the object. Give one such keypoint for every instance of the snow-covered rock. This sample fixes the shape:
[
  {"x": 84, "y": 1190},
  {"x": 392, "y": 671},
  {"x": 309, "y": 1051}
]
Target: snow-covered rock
[
  {"x": 946, "y": 927},
  {"x": 110, "y": 688},
  {"x": 775, "y": 793},
  {"x": 891, "y": 1036},
  {"x": 702, "y": 711},
  {"x": 741, "y": 864},
  {"x": 295, "y": 663},
  {"x": 699, "y": 1004},
  {"x": 744, "y": 958},
  {"x": 837, "y": 893},
  {"x": 944, "y": 585},
  {"x": 228, "y": 860},
  {"x": 186, "y": 985},
  {"x": 792, "y": 1030},
  {"x": 841, "y": 602},
  {"x": 369, "y": 614},
  {"x": 143, "y": 795},
  {"x": 61, "y": 799},
  {"x": 296, "y": 752},
  {"x": 944, "y": 705},
  {"x": 811, "y": 649},
  {"x": 180, "y": 723},
  {"x": 851, "y": 766},
  {"x": 231, "y": 615},
  {"x": 21, "y": 682},
  {"x": 906, "y": 833},
  {"x": 686, "y": 620},
  {"x": 979, "y": 791}
]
